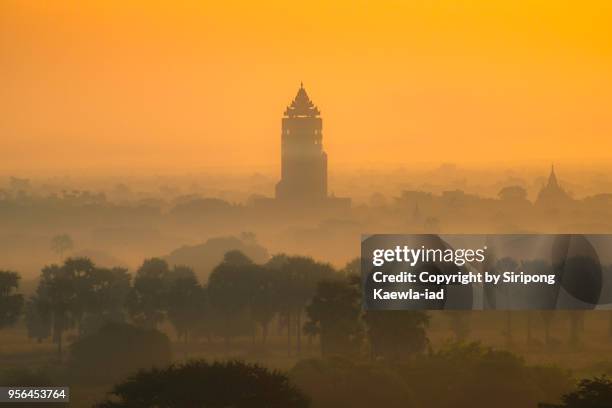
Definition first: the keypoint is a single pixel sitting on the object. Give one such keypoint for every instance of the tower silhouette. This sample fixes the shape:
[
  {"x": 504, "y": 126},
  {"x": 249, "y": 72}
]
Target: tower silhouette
[{"x": 303, "y": 160}]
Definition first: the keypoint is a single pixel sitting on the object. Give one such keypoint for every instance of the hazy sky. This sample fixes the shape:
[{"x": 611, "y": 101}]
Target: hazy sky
[{"x": 193, "y": 84}]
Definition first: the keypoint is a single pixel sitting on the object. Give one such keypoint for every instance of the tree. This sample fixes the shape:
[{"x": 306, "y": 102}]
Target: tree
[
  {"x": 204, "y": 257},
  {"x": 204, "y": 325},
  {"x": 56, "y": 295},
  {"x": 297, "y": 278},
  {"x": 199, "y": 384},
  {"x": 277, "y": 265},
  {"x": 230, "y": 292},
  {"x": 105, "y": 292},
  {"x": 595, "y": 393},
  {"x": 501, "y": 266},
  {"x": 353, "y": 267},
  {"x": 117, "y": 350},
  {"x": 146, "y": 301},
  {"x": 81, "y": 272},
  {"x": 184, "y": 300},
  {"x": 38, "y": 320},
  {"x": 61, "y": 243},
  {"x": 264, "y": 300},
  {"x": 75, "y": 294},
  {"x": 396, "y": 334},
  {"x": 334, "y": 314},
  {"x": 11, "y": 303}
]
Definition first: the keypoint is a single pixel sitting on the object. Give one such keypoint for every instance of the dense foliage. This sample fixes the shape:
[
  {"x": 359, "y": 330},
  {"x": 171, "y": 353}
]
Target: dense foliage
[{"x": 199, "y": 384}]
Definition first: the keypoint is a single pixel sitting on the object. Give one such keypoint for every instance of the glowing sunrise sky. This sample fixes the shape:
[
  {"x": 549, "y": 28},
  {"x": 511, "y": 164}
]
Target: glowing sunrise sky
[{"x": 194, "y": 84}]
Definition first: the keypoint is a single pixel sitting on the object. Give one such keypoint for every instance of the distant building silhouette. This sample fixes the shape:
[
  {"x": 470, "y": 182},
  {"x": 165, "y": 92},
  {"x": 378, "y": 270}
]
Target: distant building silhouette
[
  {"x": 303, "y": 180},
  {"x": 552, "y": 195},
  {"x": 303, "y": 160}
]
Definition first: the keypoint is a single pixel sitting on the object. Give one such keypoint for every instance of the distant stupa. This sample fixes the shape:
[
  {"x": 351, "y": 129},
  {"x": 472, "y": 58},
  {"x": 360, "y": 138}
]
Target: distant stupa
[{"x": 552, "y": 194}]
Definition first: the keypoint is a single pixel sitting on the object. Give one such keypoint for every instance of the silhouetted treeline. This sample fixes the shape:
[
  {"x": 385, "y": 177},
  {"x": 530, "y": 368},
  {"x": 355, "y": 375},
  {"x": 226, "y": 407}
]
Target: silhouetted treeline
[
  {"x": 459, "y": 376},
  {"x": 240, "y": 298},
  {"x": 304, "y": 298},
  {"x": 367, "y": 357}
]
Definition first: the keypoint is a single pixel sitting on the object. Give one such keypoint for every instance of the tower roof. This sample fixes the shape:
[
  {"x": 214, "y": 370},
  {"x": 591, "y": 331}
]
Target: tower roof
[{"x": 302, "y": 105}]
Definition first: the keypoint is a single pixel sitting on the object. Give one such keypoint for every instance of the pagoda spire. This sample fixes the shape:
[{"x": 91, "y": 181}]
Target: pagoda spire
[
  {"x": 302, "y": 106},
  {"x": 552, "y": 179}
]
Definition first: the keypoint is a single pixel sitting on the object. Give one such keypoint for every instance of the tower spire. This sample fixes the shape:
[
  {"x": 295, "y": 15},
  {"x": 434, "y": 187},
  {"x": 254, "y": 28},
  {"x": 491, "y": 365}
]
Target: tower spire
[{"x": 302, "y": 105}]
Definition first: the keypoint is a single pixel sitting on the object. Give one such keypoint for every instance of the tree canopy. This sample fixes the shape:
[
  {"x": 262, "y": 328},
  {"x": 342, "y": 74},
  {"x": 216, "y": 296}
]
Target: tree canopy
[
  {"x": 11, "y": 303},
  {"x": 200, "y": 384}
]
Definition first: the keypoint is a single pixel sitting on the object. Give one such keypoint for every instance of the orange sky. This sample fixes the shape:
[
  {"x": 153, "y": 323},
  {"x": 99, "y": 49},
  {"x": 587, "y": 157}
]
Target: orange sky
[{"x": 100, "y": 84}]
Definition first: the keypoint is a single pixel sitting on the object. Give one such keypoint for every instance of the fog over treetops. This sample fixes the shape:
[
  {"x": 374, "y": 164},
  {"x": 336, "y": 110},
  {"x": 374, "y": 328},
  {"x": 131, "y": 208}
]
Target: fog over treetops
[{"x": 119, "y": 220}]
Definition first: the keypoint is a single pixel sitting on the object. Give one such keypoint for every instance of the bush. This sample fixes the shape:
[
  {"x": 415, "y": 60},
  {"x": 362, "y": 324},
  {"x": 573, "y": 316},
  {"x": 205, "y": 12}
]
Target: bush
[
  {"x": 458, "y": 376},
  {"x": 590, "y": 393},
  {"x": 337, "y": 382},
  {"x": 199, "y": 384},
  {"x": 472, "y": 373},
  {"x": 117, "y": 350}
]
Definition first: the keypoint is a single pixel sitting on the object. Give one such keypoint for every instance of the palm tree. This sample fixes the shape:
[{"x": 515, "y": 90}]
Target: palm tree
[{"x": 61, "y": 243}]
